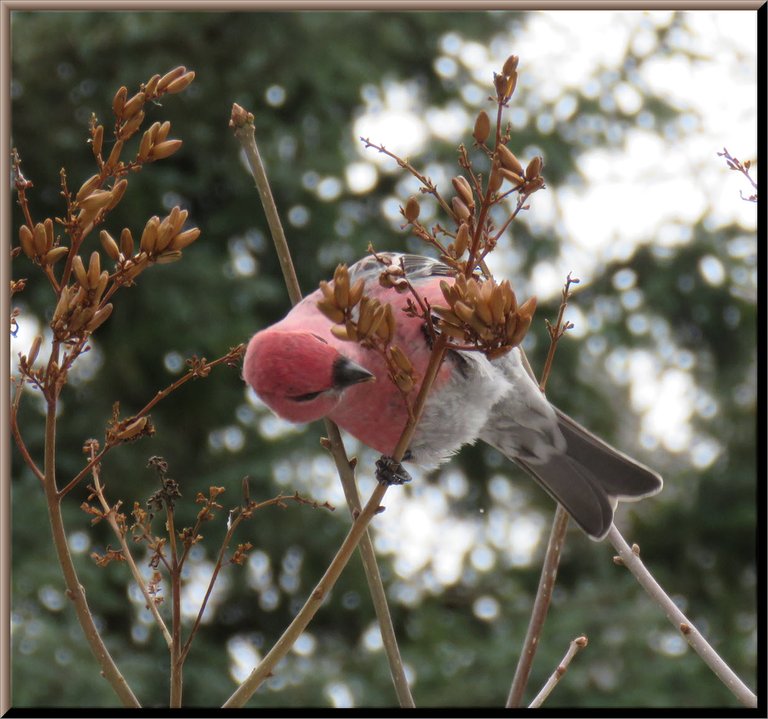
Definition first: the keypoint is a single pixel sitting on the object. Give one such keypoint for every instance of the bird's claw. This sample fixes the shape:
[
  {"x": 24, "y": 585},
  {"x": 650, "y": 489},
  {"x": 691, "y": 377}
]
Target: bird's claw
[{"x": 389, "y": 472}]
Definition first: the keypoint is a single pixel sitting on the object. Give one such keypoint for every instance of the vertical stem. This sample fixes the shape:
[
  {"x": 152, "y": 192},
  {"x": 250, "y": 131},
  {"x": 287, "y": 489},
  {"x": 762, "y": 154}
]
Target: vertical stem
[
  {"x": 75, "y": 590},
  {"x": 245, "y": 134},
  {"x": 371, "y": 568},
  {"x": 313, "y": 603},
  {"x": 176, "y": 661},
  {"x": 540, "y": 608}
]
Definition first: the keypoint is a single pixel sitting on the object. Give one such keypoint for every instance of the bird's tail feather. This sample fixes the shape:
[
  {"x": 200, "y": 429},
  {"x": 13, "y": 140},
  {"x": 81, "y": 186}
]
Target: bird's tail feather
[{"x": 590, "y": 476}]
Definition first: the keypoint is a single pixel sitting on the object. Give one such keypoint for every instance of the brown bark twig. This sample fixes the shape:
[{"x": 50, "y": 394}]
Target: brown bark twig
[
  {"x": 573, "y": 649},
  {"x": 242, "y": 122}
]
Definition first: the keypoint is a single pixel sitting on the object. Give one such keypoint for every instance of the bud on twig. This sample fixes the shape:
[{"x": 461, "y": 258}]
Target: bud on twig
[
  {"x": 412, "y": 209},
  {"x": 482, "y": 127}
]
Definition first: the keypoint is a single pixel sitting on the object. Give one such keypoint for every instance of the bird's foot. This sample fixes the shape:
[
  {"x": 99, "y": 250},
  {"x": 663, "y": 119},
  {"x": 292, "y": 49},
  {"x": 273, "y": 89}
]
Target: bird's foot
[{"x": 390, "y": 472}]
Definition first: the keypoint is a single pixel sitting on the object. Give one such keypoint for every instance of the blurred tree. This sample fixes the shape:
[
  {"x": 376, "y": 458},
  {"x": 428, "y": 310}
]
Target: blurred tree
[{"x": 308, "y": 76}]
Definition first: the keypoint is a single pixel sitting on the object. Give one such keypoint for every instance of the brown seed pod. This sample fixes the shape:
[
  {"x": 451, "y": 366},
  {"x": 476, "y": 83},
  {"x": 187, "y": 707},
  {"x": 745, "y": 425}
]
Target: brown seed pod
[
  {"x": 400, "y": 359},
  {"x": 114, "y": 155},
  {"x": 341, "y": 332},
  {"x": 117, "y": 192},
  {"x": 511, "y": 85},
  {"x": 528, "y": 308},
  {"x": 126, "y": 242},
  {"x": 497, "y": 305},
  {"x": 162, "y": 132},
  {"x": 170, "y": 76},
  {"x": 95, "y": 201},
  {"x": 403, "y": 381},
  {"x": 62, "y": 306},
  {"x": 496, "y": 179},
  {"x": 510, "y": 65},
  {"x": 118, "y": 103},
  {"x": 184, "y": 239},
  {"x": 412, "y": 209},
  {"x": 26, "y": 239},
  {"x": 130, "y": 126},
  {"x": 132, "y": 429},
  {"x": 34, "y": 350},
  {"x": 167, "y": 257},
  {"x": 356, "y": 292},
  {"x": 341, "y": 286},
  {"x": 446, "y": 314},
  {"x": 513, "y": 177},
  {"x": 149, "y": 235},
  {"x": 523, "y": 323},
  {"x": 453, "y": 330},
  {"x": 180, "y": 83},
  {"x": 101, "y": 285},
  {"x": 133, "y": 105},
  {"x": 461, "y": 243},
  {"x": 88, "y": 187},
  {"x": 40, "y": 239},
  {"x": 386, "y": 330},
  {"x": 365, "y": 319},
  {"x": 327, "y": 291},
  {"x": 333, "y": 313},
  {"x": 463, "y": 311},
  {"x": 94, "y": 269},
  {"x": 164, "y": 149},
  {"x": 145, "y": 145},
  {"x": 534, "y": 168},
  {"x": 54, "y": 255},
  {"x": 460, "y": 209},
  {"x": 97, "y": 140},
  {"x": 151, "y": 86},
  {"x": 482, "y": 127},
  {"x": 462, "y": 186},
  {"x": 79, "y": 269},
  {"x": 509, "y": 160}
]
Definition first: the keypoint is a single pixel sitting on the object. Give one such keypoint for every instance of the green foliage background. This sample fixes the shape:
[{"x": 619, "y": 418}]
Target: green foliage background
[{"x": 698, "y": 538}]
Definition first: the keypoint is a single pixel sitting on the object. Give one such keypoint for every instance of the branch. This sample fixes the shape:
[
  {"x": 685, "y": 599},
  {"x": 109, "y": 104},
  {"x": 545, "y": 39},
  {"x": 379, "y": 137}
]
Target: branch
[
  {"x": 576, "y": 645},
  {"x": 109, "y": 515},
  {"x": 198, "y": 369},
  {"x": 540, "y": 608},
  {"x": 556, "y": 537},
  {"x": 75, "y": 590},
  {"x": 246, "y": 134},
  {"x": 630, "y": 558}
]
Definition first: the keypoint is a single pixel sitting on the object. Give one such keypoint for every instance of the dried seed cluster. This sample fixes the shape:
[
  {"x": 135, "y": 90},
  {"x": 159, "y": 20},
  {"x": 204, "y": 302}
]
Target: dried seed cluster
[
  {"x": 79, "y": 310},
  {"x": 40, "y": 245},
  {"x": 484, "y": 314},
  {"x": 83, "y": 294},
  {"x": 372, "y": 324}
]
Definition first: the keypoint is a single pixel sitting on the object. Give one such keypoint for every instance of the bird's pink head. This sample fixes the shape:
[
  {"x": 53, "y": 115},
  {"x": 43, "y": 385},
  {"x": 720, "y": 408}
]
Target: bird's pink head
[{"x": 299, "y": 375}]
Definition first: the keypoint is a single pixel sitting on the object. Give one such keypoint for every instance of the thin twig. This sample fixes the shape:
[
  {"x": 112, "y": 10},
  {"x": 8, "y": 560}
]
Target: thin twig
[
  {"x": 192, "y": 373},
  {"x": 347, "y": 548},
  {"x": 16, "y": 432},
  {"x": 371, "y": 568},
  {"x": 245, "y": 133},
  {"x": 75, "y": 590},
  {"x": 109, "y": 515},
  {"x": 540, "y": 608},
  {"x": 557, "y": 533},
  {"x": 556, "y": 332},
  {"x": 176, "y": 664},
  {"x": 631, "y": 560},
  {"x": 573, "y": 649}
]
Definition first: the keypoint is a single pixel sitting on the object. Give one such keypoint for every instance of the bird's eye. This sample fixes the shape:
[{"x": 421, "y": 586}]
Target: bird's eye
[{"x": 308, "y": 397}]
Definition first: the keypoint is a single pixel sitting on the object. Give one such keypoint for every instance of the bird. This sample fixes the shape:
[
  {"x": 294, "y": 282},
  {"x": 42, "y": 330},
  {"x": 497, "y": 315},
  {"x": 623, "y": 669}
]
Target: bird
[{"x": 304, "y": 371}]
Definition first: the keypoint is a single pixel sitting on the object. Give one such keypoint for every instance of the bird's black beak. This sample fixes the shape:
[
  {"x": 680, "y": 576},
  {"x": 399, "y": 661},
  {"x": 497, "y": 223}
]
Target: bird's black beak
[{"x": 346, "y": 373}]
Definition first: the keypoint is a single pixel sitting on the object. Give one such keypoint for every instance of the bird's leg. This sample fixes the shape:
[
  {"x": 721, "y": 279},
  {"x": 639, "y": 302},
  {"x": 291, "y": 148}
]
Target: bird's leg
[{"x": 390, "y": 472}]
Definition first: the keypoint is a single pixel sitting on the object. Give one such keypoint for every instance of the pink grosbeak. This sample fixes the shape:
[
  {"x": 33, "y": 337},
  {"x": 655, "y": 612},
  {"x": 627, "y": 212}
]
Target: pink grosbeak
[{"x": 303, "y": 372}]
